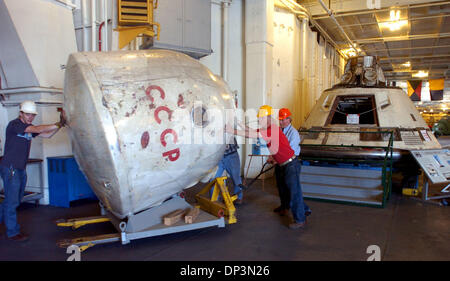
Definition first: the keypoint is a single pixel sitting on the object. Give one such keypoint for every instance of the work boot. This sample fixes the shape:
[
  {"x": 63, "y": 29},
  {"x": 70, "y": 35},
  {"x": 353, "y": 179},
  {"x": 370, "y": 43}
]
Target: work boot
[
  {"x": 281, "y": 211},
  {"x": 278, "y": 209},
  {"x": 238, "y": 202},
  {"x": 297, "y": 225},
  {"x": 19, "y": 237},
  {"x": 308, "y": 212},
  {"x": 243, "y": 187}
]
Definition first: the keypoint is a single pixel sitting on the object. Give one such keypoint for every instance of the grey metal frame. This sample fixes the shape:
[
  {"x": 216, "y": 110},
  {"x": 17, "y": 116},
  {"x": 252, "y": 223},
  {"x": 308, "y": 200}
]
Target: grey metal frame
[
  {"x": 425, "y": 196},
  {"x": 149, "y": 223}
]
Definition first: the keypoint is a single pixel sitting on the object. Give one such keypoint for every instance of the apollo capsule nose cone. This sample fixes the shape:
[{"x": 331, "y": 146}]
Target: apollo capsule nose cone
[{"x": 144, "y": 125}]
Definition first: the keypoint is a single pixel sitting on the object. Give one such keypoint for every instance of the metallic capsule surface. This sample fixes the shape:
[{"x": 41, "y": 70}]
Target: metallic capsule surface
[{"x": 144, "y": 125}]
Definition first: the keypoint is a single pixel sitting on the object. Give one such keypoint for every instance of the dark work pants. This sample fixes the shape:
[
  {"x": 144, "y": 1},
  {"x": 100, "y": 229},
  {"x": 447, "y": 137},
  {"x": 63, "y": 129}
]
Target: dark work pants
[
  {"x": 14, "y": 181},
  {"x": 291, "y": 191},
  {"x": 283, "y": 190}
]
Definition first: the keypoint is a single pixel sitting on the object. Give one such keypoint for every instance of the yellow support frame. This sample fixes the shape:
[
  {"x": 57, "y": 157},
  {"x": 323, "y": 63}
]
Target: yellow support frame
[
  {"x": 212, "y": 205},
  {"x": 136, "y": 18},
  {"x": 77, "y": 223}
]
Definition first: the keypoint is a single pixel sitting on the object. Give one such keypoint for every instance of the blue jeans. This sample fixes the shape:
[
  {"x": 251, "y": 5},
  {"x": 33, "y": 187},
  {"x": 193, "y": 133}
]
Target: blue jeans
[
  {"x": 292, "y": 179},
  {"x": 283, "y": 189},
  {"x": 232, "y": 165},
  {"x": 14, "y": 181}
]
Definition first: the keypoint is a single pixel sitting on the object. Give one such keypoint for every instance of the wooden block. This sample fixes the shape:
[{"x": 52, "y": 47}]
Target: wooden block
[
  {"x": 192, "y": 215},
  {"x": 173, "y": 217}
]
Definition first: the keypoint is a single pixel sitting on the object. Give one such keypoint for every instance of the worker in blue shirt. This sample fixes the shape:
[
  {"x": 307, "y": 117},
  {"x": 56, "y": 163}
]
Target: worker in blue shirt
[
  {"x": 231, "y": 163},
  {"x": 19, "y": 134},
  {"x": 293, "y": 137}
]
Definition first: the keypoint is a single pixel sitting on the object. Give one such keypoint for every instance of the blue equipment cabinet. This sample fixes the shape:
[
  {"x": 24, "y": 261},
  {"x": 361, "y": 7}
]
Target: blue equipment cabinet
[{"x": 66, "y": 182}]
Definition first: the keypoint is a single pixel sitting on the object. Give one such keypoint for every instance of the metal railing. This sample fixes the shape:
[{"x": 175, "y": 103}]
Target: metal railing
[{"x": 386, "y": 163}]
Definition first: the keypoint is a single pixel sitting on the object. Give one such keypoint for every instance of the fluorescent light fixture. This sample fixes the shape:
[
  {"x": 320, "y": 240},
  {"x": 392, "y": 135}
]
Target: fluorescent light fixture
[
  {"x": 395, "y": 23},
  {"x": 420, "y": 74},
  {"x": 406, "y": 64},
  {"x": 350, "y": 52}
]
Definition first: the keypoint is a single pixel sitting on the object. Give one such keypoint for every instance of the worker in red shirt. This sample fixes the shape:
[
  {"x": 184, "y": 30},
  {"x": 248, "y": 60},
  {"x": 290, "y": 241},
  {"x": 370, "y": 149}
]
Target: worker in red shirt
[
  {"x": 285, "y": 119},
  {"x": 283, "y": 155}
]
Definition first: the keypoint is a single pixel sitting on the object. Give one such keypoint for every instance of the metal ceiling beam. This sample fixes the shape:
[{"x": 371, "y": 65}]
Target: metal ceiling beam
[
  {"x": 414, "y": 57},
  {"x": 330, "y": 14},
  {"x": 415, "y": 78},
  {"x": 411, "y": 71},
  {"x": 409, "y": 19},
  {"x": 401, "y": 38},
  {"x": 384, "y": 42},
  {"x": 407, "y": 48},
  {"x": 414, "y": 66},
  {"x": 370, "y": 11}
]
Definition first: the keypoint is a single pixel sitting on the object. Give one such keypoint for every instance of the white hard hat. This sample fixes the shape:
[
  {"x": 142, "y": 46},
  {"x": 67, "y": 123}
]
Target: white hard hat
[{"x": 28, "y": 107}]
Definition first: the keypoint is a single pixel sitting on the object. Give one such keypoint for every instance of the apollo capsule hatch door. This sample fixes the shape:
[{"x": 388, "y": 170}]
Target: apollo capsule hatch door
[{"x": 144, "y": 125}]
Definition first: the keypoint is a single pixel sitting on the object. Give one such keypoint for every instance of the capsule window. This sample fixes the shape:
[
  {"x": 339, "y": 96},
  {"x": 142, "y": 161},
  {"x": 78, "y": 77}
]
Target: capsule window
[
  {"x": 362, "y": 108},
  {"x": 200, "y": 116}
]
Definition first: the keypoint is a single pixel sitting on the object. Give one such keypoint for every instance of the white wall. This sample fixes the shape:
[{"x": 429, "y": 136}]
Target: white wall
[
  {"x": 41, "y": 27},
  {"x": 302, "y": 68},
  {"x": 44, "y": 37},
  {"x": 298, "y": 71},
  {"x": 236, "y": 51},
  {"x": 80, "y": 20},
  {"x": 286, "y": 62}
]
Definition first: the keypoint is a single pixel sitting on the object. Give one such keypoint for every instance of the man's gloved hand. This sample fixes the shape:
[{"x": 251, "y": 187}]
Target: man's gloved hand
[
  {"x": 270, "y": 160},
  {"x": 62, "y": 119}
]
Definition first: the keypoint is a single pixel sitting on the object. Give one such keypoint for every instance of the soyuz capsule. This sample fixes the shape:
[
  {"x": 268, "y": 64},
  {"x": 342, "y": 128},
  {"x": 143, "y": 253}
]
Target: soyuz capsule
[{"x": 144, "y": 125}]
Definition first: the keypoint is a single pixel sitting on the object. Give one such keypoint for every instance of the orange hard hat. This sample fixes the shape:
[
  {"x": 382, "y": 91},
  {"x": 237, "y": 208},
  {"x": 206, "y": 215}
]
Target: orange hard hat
[{"x": 283, "y": 113}]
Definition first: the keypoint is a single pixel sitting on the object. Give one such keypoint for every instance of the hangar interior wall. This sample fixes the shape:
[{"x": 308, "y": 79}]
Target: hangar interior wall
[{"x": 268, "y": 57}]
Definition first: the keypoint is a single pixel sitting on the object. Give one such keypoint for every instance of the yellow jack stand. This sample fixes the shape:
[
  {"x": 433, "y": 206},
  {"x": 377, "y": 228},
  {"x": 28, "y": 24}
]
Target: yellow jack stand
[
  {"x": 214, "y": 207},
  {"x": 77, "y": 223},
  {"x": 414, "y": 191},
  {"x": 85, "y": 242}
]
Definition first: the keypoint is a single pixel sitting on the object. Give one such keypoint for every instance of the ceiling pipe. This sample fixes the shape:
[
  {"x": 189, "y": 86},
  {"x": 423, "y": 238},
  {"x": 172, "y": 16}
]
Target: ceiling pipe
[
  {"x": 83, "y": 24},
  {"x": 300, "y": 15},
  {"x": 100, "y": 36},
  {"x": 105, "y": 18},
  {"x": 38, "y": 103},
  {"x": 68, "y": 4},
  {"x": 27, "y": 90},
  {"x": 330, "y": 13},
  {"x": 93, "y": 26},
  {"x": 225, "y": 8}
]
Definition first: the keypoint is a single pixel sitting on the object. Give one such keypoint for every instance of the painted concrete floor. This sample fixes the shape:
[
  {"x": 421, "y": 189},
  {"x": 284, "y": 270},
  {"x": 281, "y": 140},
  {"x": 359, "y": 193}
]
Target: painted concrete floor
[{"x": 405, "y": 230}]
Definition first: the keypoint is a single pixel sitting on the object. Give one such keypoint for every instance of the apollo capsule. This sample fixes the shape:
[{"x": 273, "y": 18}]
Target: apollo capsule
[
  {"x": 144, "y": 125},
  {"x": 364, "y": 105}
]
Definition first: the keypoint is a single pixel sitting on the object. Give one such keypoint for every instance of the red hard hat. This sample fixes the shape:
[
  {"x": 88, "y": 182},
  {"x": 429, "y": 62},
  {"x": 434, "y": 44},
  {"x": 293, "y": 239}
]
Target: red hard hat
[{"x": 283, "y": 113}]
